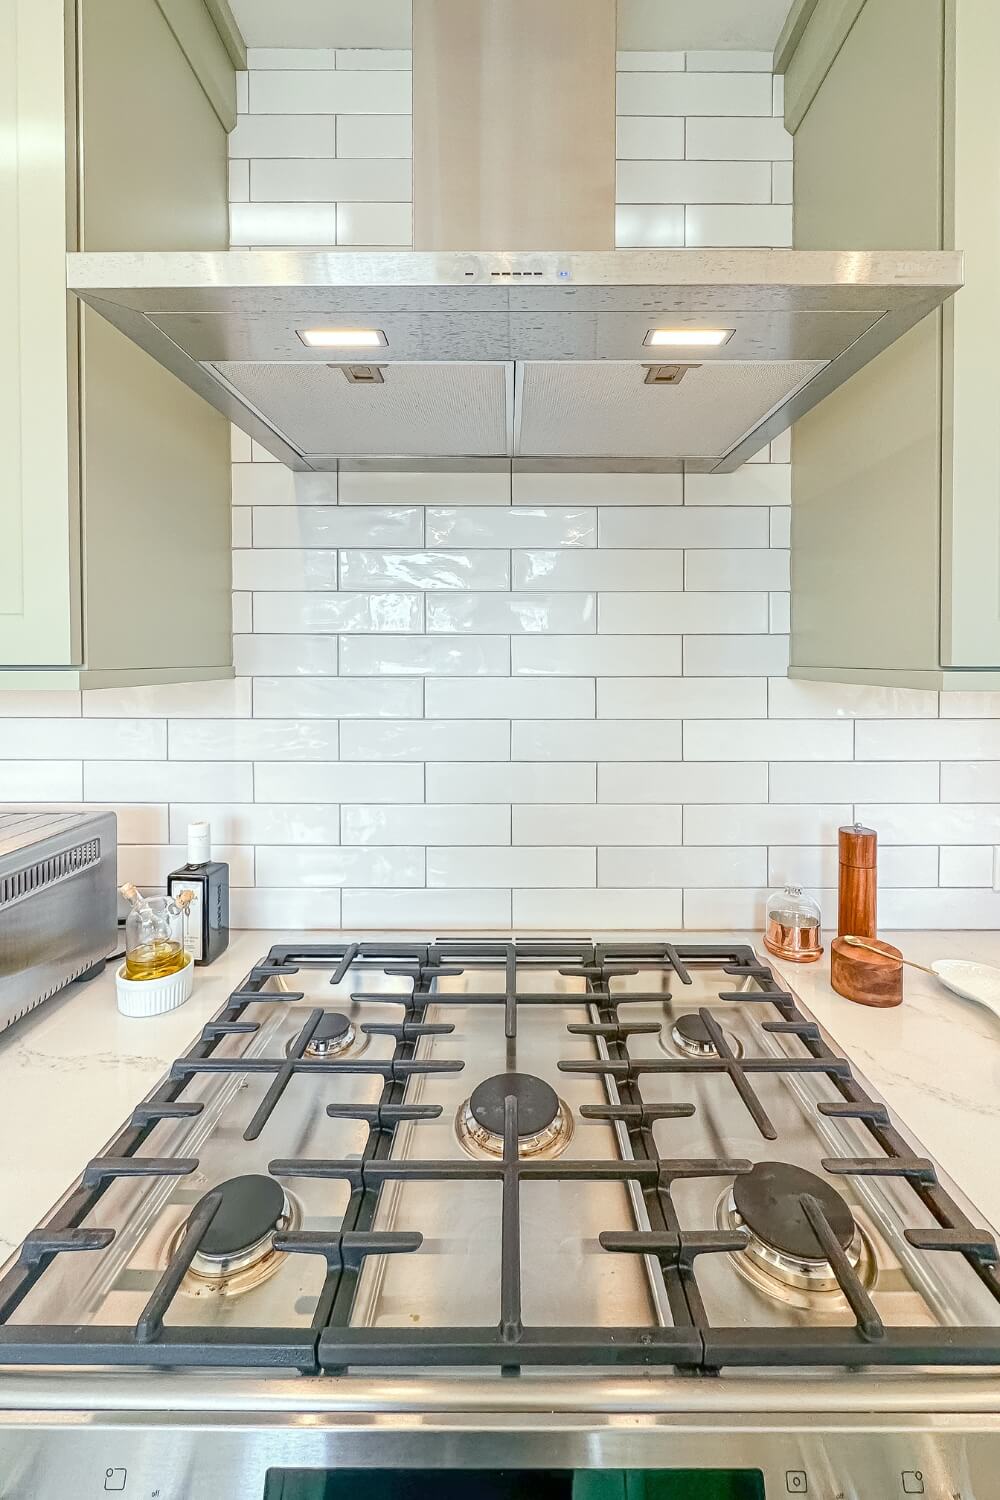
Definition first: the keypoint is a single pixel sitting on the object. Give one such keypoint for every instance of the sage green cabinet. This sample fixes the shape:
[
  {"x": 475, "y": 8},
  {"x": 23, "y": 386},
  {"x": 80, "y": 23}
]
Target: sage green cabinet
[
  {"x": 114, "y": 501},
  {"x": 895, "y": 111}
]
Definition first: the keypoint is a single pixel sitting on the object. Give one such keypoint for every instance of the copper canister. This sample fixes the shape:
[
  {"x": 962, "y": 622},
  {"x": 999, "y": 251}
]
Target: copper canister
[
  {"x": 793, "y": 926},
  {"x": 858, "y": 883}
]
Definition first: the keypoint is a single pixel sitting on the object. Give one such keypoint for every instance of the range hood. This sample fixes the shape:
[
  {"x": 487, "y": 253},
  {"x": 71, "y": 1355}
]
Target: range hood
[{"x": 620, "y": 358}]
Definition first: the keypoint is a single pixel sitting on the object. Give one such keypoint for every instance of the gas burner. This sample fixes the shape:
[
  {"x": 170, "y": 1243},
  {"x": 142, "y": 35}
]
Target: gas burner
[
  {"x": 335, "y": 1036},
  {"x": 782, "y": 1251},
  {"x": 237, "y": 1251},
  {"x": 689, "y": 1035},
  {"x": 544, "y": 1122}
]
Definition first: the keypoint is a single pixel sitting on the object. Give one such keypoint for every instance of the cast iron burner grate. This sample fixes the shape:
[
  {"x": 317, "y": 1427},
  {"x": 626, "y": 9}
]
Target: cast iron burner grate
[{"x": 692, "y": 1343}]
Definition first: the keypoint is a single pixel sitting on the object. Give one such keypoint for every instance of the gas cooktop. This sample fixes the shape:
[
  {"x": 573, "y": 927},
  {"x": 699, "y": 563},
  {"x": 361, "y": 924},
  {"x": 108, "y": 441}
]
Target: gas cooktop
[
  {"x": 482, "y": 1153},
  {"x": 479, "y": 1178}
]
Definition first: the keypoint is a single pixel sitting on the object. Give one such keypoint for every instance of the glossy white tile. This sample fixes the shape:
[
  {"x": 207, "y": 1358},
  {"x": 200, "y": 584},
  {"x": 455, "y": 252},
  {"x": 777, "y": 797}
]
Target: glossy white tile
[
  {"x": 662, "y": 526},
  {"x": 284, "y": 568},
  {"x": 905, "y": 865},
  {"x": 715, "y": 909},
  {"x": 228, "y": 698},
  {"x": 313, "y": 525},
  {"x": 285, "y": 655},
  {"x": 401, "y": 487},
  {"x": 680, "y": 614},
  {"x": 682, "y": 698},
  {"x": 729, "y": 138},
  {"x": 854, "y": 780},
  {"x": 764, "y": 224},
  {"x": 260, "y": 136},
  {"x": 915, "y": 909},
  {"x": 82, "y": 739},
  {"x": 263, "y": 484},
  {"x": 760, "y": 739},
  {"x": 40, "y": 780},
  {"x": 150, "y": 864},
  {"x": 361, "y": 136},
  {"x": 684, "y": 782},
  {"x": 649, "y": 138},
  {"x": 583, "y": 909},
  {"x": 296, "y": 910},
  {"x": 681, "y": 866},
  {"x": 541, "y": 867},
  {"x": 168, "y": 781},
  {"x": 596, "y": 655},
  {"x": 517, "y": 614},
  {"x": 510, "y": 781},
  {"x": 604, "y": 568},
  {"x": 964, "y": 867},
  {"x": 781, "y": 526},
  {"x": 646, "y": 224},
  {"x": 735, "y": 568},
  {"x": 717, "y": 61},
  {"x": 485, "y": 569},
  {"x": 735, "y": 655},
  {"x": 694, "y": 94},
  {"x": 694, "y": 182},
  {"x": 317, "y": 180},
  {"x": 242, "y": 526},
  {"x": 453, "y": 656},
  {"x": 409, "y": 911},
  {"x": 636, "y": 61},
  {"x": 570, "y": 489},
  {"x": 970, "y": 781},
  {"x": 375, "y": 224},
  {"x": 425, "y": 739},
  {"x": 295, "y": 613},
  {"x": 374, "y": 57},
  {"x": 509, "y": 698},
  {"x": 934, "y": 823},
  {"x": 332, "y": 867},
  {"x": 596, "y": 823},
  {"x": 926, "y": 739},
  {"x": 289, "y": 91},
  {"x": 259, "y": 822},
  {"x": 595, "y": 739},
  {"x": 472, "y": 824},
  {"x": 253, "y": 739},
  {"x": 752, "y": 484},
  {"x": 765, "y": 825},
  {"x": 337, "y": 781},
  {"x": 512, "y": 526},
  {"x": 46, "y": 703},
  {"x": 336, "y": 698},
  {"x": 788, "y": 699}
]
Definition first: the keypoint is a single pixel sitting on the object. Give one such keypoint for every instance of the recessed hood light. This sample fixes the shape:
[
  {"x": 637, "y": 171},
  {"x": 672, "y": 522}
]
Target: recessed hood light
[
  {"x": 697, "y": 338},
  {"x": 342, "y": 338}
]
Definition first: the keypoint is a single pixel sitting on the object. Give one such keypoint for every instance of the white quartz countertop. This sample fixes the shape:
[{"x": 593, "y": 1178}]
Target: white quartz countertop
[{"x": 72, "y": 1070}]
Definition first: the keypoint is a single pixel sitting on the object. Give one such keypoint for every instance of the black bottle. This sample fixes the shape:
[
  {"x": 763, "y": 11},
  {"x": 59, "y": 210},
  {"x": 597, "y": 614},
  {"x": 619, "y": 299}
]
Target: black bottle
[{"x": 208, "y": 917}]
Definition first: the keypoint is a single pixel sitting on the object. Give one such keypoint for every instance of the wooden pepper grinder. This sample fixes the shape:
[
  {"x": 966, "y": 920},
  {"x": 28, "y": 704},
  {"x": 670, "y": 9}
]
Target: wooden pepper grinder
[{"x": 858, "y": 974}]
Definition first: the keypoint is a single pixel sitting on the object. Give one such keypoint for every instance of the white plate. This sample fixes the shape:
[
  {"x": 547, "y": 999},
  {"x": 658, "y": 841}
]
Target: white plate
[{"x": 978, "y": 982}]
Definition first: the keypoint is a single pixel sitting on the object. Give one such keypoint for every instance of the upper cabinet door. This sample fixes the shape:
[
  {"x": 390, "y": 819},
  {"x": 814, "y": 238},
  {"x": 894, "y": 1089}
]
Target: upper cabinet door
[{"x": 39, "y": 470}]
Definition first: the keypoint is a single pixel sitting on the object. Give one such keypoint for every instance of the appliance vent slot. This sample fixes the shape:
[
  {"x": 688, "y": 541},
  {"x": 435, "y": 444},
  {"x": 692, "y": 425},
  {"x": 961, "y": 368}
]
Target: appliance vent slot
[
  {"x": 46, "y": 872},
  {"x": 667, "y": 374},
  {"x": 362, "y": 374}
]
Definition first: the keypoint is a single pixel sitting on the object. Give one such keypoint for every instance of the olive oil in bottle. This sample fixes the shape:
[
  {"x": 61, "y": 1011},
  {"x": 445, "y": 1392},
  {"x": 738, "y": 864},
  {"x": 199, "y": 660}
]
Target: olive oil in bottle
[{"x": 154, "y": 934}]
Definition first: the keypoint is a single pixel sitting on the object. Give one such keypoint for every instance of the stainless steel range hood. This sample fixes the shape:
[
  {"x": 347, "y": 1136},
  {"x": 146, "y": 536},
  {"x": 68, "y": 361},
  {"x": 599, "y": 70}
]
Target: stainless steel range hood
[{"x": 540, "y": 358}]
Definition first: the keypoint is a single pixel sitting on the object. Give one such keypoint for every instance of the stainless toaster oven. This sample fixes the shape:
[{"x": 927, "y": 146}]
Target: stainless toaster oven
[{"x": 58, "y": 902}]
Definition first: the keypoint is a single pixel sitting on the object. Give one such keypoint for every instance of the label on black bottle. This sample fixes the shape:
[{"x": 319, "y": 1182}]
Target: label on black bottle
[{"x": 194, "y": 923}]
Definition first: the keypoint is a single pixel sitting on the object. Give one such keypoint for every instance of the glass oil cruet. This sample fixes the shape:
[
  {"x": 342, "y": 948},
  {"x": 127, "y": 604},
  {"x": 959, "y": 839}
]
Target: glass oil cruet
[{"x": 154, "y": 933}]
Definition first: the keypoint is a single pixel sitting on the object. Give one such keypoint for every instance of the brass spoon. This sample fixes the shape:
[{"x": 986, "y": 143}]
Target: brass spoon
[{"x": 857, "y": 942}]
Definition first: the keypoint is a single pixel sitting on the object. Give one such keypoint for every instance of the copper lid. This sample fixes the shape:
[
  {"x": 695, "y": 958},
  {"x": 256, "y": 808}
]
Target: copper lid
[{"x": 858, "y": 846}]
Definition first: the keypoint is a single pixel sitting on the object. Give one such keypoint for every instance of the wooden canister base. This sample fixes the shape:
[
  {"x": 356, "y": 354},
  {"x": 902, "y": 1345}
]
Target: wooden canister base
[{"x": 869, "y": 978}]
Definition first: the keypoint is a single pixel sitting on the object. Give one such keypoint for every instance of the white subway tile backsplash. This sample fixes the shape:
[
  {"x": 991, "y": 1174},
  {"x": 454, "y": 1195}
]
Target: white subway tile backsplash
[
  {"x": 50, "y": 704},
  {"x": 242, "y": 526},
  {"x": 34, "y": 780},
  {"x": 284, "y": 568},
  {"x": 781, "y": 182},
  {"x": 604, "y": 568},
  {"x": 649, "y": 138},
  {"x": 315, "y": 91},
  {"x": 574, "y": 489},
  {"x": 693, "y": 182},
  {"x": 963, "y": 867},
  {"x": 280, "y": 224},
  {"x": 169, "y": 781},
  {"x": 735, "y": 655},
  {"x": 253, "y": 739},
  {"x": 374, "y": 57},
  {"x": 941, "y": 908},
  {"x": 751, "y": 484},
  {"x": 654, "y": 526},
  {"x": 239, "y": 181},
  {"x": 425, "y": 739},
  {"x": 452, "y": 656},
  {"x": 263, "y": 484},
  {"x": 297, "y": 910},
  {"x": 779, "y": 614},
  {"x": 926, "y": 739},
  {"x": 334, "y": 867},
  {"x": 754, "y": 138},
  {"x": 597, "y": 655},
  {"x": 512, "y": 526},
  {"x": 148, "y": 865},
  {"x": 650, "y": 62},
  {"x": 337, "y": 781},
  {"x": 691, "y": 94},
  {"x": 336, "y": 698},
  {"x": 781, "y": 526},
  {"x": 584, "y": 910},
  {"x": 760, "y": 739},
  {"x": 970, "y": 781},
  {"x": 277, "y": 613},
  {"x": 511, "y": 781},
  {"x": 596, "y": 823},
  {"x": 515, "y": 614},
  {"x": 374, "y": 224},
  {"x": 471, "y": 824},
  {"x": 680, "y": 614},
  {"x": 317, "y": 180},
  {"x": 509, "y": 698},
  {"x": 736, "y": 569},
  {"x": 682, "y": 698},
  {"x": 361, "y": 137},
  {"x": 479, "y": 569},
  {"x": 934, "y": 823},
  {"x": 465, "y": 868},
  {"x": 404, "y": 487},
  {"x": 738, "y": 224},
  {"x": 228, "y": 698},
  {"x": 82, "y": 739},
  {"x": 730, "y": 62},
  {"x": 852, "y": 780},
  {"x": 789, "y": 699},
  {"x": 765, "y": 825},
  {"x": 723, "y": 908},
  {"x": 681, "y": 866},
  {"x": 337, "y": 526},
  {"x": 685, "y": 782},
  {"x": 647, "y": 224},
  {"x": 973, "y": 705},
  {"x": 249, "y": 823},
  {"x": 442, "y": 910},
  {"x": 257, "y": 137},
  {"x": 909, "y": 865},
  {"x": 285, "y": 655},
  {"x": 595, "y": 739}
]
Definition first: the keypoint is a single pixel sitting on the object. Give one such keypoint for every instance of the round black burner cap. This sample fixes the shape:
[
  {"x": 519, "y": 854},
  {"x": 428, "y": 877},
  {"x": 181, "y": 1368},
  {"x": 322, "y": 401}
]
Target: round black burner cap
[
  {"x": 692, "y": 1029},
  {"x": 250, "y": 1208},
  {"x": 332, "y": 1028},
  {"x": 537, "y": 1103},
  {"x": 768, "y": 1201}
]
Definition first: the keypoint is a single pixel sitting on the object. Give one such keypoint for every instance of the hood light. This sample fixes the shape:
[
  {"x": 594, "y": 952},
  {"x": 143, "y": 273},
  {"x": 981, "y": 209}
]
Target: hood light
[
  {"x": 689, "y": 338},
  {"x": 342, "y": 338}
]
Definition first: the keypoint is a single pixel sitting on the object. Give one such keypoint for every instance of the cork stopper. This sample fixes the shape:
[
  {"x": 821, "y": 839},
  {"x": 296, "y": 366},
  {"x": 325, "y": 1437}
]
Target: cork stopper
[
  {"x": 858, "y": 846},
  {"x": 129, "y": 891}
]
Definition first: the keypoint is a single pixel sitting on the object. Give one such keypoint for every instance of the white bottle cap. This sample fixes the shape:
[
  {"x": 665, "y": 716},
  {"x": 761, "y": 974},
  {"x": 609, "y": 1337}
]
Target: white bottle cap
[{"x": 199, "y": 843}]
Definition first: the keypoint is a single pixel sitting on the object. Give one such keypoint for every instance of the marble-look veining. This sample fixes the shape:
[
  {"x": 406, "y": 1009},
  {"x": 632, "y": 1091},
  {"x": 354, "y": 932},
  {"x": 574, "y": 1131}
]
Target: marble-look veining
[{"x": 72, "y": 1070}]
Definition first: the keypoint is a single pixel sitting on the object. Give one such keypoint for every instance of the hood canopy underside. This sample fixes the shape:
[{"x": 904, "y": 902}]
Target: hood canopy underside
[{"x": 541, "y": 359}]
